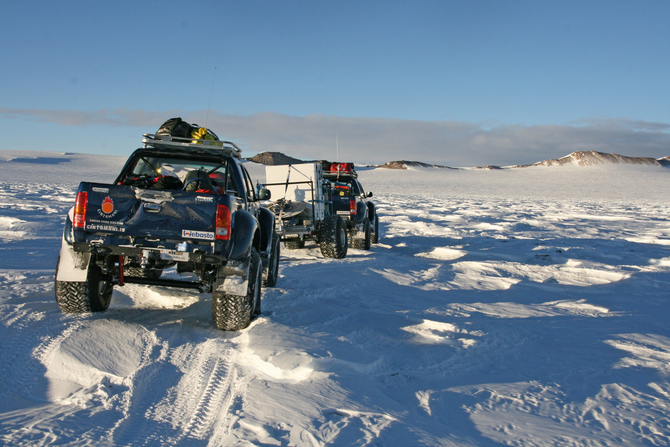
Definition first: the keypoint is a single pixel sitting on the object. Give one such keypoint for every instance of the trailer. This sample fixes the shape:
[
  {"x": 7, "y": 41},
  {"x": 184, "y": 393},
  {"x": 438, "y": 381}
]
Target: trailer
[{"x": 303, "y": 208}]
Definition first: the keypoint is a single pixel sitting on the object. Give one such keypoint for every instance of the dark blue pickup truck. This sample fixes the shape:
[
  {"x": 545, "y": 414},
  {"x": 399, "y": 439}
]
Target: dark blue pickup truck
[
  {"x": 178, "y": 202},
  {"x": 352, "y": 204}
]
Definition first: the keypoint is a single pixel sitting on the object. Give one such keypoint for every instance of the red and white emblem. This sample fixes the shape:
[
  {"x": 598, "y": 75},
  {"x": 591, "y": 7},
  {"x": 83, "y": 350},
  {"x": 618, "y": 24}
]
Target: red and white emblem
[{"x": 107, "y": 206}]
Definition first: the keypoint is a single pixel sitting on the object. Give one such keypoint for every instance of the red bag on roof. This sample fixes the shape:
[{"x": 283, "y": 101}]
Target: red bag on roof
[{"x": 342, "y": 168}]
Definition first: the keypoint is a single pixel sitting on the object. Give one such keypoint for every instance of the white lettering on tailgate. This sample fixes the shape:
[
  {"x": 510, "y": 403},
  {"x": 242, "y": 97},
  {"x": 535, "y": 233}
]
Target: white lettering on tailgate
[{"x": 193, "y": 234}]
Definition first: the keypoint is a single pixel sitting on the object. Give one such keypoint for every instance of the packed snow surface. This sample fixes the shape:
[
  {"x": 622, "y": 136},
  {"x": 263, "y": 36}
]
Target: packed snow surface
[{"x": 506, "y": 307}]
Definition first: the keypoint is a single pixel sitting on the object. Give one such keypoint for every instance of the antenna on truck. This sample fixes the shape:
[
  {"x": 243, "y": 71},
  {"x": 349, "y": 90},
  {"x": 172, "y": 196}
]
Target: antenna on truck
[
  {"x": 211, "y": 90},
  {"x": 337, "y": 148}
]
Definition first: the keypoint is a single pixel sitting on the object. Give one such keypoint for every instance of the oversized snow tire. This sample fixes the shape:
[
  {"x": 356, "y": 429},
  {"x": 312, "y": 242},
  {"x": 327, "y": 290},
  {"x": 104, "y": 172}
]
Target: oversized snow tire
[
  {"x": 333, "y": 237},
  {"x": 363, "y": 244},
  {"x": 294, "y": 243},
  {"x": 374, "y": 237},
  {"x": 92, "y": 295},
  {"x": 139, "y": 272},
  {"x": 271, "y": 273},
  {"x": 232, "y": 312}
]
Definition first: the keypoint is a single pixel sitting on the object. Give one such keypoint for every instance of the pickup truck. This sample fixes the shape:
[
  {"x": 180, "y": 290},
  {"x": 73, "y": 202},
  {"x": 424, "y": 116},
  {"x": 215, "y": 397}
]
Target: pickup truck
[
  {"x": 178, "y": 202},
  {"x": 352, "y": 204}
]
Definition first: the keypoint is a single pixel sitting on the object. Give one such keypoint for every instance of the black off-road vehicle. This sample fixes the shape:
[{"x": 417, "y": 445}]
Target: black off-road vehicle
[
  {"x": 180, "y": 202},
  {"x": 351, "y": 203}
]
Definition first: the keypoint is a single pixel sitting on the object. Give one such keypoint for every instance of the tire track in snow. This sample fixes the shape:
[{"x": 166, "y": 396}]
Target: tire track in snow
[
  {"x": 200, "y": 407},
  {"x": 217, "y": 398}
]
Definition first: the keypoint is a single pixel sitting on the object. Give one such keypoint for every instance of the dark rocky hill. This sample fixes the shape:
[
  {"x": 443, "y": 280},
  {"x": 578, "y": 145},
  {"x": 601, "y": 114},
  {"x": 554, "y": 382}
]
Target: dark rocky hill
[{"x": 274, "y": 158}]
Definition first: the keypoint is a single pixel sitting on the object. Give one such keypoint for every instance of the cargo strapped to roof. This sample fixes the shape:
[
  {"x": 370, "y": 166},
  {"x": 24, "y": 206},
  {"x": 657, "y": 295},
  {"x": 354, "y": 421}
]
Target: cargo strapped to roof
[
  {"x": 228, "y": 148},
  {"x": 338, "y": 169}
]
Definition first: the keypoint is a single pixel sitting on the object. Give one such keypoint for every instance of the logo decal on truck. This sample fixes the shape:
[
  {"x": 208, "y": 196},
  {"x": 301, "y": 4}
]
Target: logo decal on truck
[
  {"x": 107, "y": 208},
  {"x": 193, "y": 234}
]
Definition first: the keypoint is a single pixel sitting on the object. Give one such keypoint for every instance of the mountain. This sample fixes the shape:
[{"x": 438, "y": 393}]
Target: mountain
[
  {"x": 274, "y": 158},
  {"x": 578, "y": 158},
  {"x": 593, "y": 158}
]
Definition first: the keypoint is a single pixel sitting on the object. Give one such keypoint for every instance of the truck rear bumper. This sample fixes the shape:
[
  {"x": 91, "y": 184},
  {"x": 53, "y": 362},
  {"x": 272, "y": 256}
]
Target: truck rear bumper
[{"x": 158, "y": 253}]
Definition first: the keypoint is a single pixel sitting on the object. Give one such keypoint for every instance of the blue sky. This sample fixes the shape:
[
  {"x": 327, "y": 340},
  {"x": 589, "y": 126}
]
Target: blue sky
[{"x": 461, "y": 83}]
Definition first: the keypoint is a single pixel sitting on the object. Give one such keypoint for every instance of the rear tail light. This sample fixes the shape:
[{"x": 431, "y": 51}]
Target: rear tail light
[
  {"x": 223, "y": 222},
  {"x": 80, "y": 210},
  {"x": 352, "y": 206}
]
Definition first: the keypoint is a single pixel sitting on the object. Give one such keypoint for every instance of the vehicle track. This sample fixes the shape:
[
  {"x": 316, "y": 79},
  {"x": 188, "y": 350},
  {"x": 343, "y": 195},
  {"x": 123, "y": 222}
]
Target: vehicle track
[{"x": 200, "y": 408}]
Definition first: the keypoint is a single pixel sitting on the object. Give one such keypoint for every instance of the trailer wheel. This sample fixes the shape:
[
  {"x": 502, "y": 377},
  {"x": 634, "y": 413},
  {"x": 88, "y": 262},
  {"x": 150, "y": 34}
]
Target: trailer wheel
[
  {"x": 333, "y": 237},
  {"x": 92, "y": 295},
  {"x": 232, "y": 312},
  {"x": 272, "y": 271}
]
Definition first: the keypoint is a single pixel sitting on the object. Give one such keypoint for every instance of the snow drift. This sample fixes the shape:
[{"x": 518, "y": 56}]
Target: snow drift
[{"x": 505, "y": 307}]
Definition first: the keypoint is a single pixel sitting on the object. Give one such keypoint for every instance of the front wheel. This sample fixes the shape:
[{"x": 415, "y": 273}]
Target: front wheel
[
  {"x": 333, "y": 237},
  {"x": 139, "y": 272},
  {"x": 363, "y": 244},
  {"x": 232, "y": 312},
  {"x": 92, "y": 295},
  {"x": 294, "y": 243},
  {"x": 271, "y": 273},
  {"x": 375, "y": 231}
]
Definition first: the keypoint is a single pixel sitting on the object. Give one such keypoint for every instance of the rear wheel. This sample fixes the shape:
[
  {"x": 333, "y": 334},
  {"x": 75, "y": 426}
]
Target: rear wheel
[
  {"x": 232, "y": 312},
  {"x": 92, "y": 295},
  {"x": 333, "y": 237}
]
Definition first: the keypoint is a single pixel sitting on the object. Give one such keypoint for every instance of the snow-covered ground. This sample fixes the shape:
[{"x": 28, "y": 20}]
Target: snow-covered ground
[{"x": 515, "y": 307}]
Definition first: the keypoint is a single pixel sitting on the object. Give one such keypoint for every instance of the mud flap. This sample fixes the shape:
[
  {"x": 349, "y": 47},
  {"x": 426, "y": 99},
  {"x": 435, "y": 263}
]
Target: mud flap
[
  {"x": 233, "y": 279},
  {"x": 72, "y": 266}
]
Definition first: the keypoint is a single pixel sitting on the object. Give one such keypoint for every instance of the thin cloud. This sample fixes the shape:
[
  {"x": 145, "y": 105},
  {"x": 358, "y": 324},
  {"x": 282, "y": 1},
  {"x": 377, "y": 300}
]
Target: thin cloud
[{"x": 379, "y": 140}]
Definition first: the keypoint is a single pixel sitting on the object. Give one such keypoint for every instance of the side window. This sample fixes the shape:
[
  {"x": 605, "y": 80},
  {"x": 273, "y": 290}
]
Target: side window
[
  {"x": 251, "y": 194},
  {"x": 359, "y": 188},
  {"x": 231, "y": 185}
]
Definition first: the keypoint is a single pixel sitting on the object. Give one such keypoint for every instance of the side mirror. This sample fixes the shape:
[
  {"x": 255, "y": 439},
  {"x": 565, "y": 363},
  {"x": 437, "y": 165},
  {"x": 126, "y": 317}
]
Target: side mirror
[
  {"x": 369, "y": 194},
  {"x": 264, "y": 194}
]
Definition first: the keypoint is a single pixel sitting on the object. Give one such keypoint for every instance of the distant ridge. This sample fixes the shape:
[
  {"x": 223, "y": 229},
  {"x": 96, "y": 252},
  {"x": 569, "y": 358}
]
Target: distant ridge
[
  {"x": 578, "y": 158},
  {"x": 593, "y": 158},
  {"x": 404, "y": 164}
]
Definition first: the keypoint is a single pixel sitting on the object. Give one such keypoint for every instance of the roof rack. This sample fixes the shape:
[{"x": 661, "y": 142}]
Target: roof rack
[{"x": 227, "y": 147}]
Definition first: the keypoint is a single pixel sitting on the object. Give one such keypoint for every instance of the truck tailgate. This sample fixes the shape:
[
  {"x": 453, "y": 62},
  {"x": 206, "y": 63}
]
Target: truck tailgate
[{"x": 130, "y": 211}]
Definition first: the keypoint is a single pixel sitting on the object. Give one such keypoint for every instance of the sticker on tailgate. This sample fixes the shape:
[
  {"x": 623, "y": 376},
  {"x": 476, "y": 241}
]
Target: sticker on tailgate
[{"x": 193, "y": 234}]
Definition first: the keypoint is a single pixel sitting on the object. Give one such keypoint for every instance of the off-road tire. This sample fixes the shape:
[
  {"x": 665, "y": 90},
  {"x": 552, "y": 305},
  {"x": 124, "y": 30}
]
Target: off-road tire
[
  {"x": 333, "y": 237},
  {"x": 374, "y": 237},
  {"x": 92, "y": 295},
  {"x": 139, "y": 272},
  {"x": 232, "y": 312},
  {"x": 271, "y": 273},
  {"x": 294, "y": 243},
  {"x": 363, "y": 244}
]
